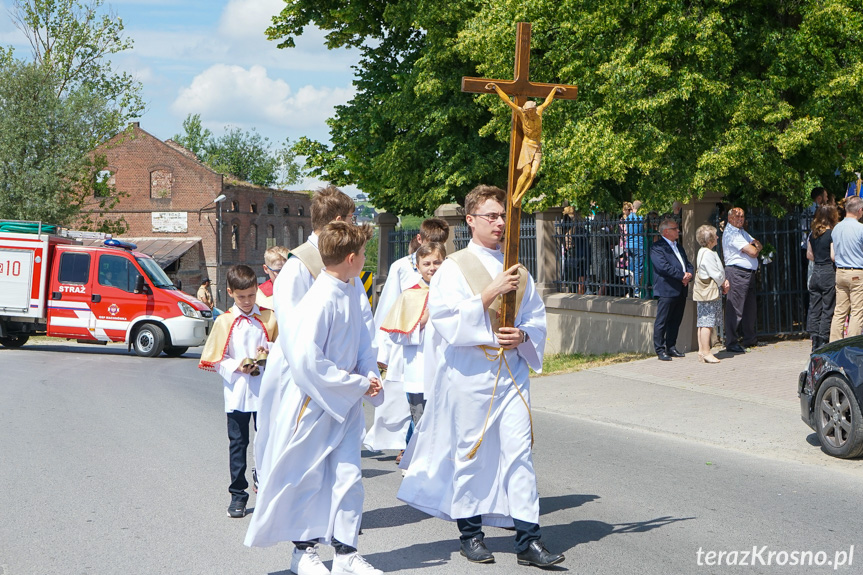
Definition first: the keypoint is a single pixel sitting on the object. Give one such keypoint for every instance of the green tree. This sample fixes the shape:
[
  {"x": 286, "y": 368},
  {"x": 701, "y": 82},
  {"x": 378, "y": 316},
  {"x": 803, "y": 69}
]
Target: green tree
[
  {"x": 194, "y": 137},
  {"x": 757, "y": 100},
  {"x": 246, "y": 155},
  {"x": 46, "y": 171},
  {"x": 73, "y": 40}
]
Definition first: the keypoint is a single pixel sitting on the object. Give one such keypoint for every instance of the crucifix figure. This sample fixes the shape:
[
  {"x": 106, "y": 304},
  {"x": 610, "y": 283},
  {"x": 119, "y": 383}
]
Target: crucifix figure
[
  {"x": 524, "y": 148},
  {"x": 530, "y": 156}
]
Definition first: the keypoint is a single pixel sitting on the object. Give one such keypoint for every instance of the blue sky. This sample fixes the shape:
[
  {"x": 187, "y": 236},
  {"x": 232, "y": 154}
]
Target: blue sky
[{"x": 212, "y": 58}]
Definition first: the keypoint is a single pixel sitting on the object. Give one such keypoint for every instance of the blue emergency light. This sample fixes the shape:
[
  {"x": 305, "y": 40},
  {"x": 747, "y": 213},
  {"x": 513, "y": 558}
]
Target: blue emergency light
[{"x": 112, "y": 243}]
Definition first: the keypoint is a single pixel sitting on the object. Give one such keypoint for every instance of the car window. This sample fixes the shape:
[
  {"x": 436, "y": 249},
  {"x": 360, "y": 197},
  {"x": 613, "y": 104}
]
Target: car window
[
  {"x": 74, "y": 268},
  {"x": 117, "y": 272}
]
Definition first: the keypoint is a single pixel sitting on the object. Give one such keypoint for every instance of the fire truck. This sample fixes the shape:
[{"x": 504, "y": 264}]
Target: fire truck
[{"x": 52, "y": 285}]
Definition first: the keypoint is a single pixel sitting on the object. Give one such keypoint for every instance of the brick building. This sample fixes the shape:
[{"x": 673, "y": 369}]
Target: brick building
[{"x": 169, "y": 193}]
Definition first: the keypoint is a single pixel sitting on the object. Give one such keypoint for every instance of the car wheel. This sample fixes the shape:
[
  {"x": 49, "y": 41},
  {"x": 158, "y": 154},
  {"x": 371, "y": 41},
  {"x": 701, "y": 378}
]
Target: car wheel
[
  {"x": 149, "y": 340},
  {"x": 175, "y": 351},
  {"x": 14, "y": 341},
  {"x": 838, "y": 420}
]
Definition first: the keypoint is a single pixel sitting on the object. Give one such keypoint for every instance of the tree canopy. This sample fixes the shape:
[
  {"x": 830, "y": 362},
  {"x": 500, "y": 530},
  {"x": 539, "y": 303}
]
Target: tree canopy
[
  {"x": 758, "y": 100},
  {"x": 58, "y": 107},
  {"x": 246, "y": 155},
  {"x": 46, "y": 173}
]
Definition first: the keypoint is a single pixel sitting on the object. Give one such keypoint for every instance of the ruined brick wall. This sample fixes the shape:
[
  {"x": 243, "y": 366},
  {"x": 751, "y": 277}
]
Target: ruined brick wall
[{"x": 159, "y": 177}]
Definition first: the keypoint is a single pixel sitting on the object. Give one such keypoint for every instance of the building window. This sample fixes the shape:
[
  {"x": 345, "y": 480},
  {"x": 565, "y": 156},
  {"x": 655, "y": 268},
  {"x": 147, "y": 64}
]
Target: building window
[
  {"x": 161, "y": 183},
  {"x": 271, "y": 209},
  {"x": 300, "y": 211},
  {"x": 235, "y": 206},
  {"x": 287, "y": 210},
  {"x": 301, "y": 235},
  {"x": 271, "y": 236},
  {"x": 235, "y": 236},
  {"x": 253, "y": 208},
  {"x": 253, "y": 231},
  {"x": 287, "y": 235},
  {"x": 104, "y": 184}
]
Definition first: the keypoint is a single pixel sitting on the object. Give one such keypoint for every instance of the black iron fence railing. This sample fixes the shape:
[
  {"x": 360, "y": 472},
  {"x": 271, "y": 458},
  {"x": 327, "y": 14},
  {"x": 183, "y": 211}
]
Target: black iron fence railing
[
  {"x": 605, "y": 255},
  {"x": 398, "y": 244},
  {"x": 526, "y": 243}
]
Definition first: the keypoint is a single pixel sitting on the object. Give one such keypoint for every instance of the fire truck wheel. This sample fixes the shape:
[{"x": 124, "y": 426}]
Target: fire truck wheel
[
  {"x": 14, "y": 341},
  {"x": 175, "y": 351},
  {"x": 149, "y": 340}
]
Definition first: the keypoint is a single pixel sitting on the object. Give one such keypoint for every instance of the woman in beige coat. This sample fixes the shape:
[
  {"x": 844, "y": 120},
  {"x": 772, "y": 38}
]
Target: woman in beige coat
[{"x": 709, "y": 285}]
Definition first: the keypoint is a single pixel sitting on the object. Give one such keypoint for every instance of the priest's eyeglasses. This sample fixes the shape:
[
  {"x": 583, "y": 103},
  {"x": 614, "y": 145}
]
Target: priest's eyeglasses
[{"x": 490, "y": 218}]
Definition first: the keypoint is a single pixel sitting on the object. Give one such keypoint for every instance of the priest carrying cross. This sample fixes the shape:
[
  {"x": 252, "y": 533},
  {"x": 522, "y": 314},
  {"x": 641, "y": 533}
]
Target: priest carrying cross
[{"x": 471, "y": 461}]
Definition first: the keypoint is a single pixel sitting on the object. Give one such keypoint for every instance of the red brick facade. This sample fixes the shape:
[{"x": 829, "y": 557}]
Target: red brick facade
[{"x": 165, "y": 179}]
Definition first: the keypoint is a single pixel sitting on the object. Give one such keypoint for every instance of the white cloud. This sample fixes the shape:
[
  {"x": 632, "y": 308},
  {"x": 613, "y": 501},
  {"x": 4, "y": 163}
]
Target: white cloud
[
  {"x": 225, "y": 94},
  {"x": 248, "y": 18}
]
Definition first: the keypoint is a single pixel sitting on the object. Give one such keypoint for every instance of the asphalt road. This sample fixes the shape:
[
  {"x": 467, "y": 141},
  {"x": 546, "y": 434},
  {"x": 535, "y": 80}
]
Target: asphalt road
[{"x": 115, "y": 464}]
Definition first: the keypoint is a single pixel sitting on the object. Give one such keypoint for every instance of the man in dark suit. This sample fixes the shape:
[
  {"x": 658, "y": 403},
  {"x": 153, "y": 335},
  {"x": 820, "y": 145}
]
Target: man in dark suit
[{"x": 672, "y": 273}]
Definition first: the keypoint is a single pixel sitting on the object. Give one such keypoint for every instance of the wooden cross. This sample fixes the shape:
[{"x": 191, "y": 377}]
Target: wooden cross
[{"x": 521, "y": 89}]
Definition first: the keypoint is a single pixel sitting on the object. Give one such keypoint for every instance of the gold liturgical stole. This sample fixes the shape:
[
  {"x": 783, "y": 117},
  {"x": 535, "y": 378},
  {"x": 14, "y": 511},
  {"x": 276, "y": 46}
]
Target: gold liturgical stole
[
  {"x": 217, "y": 341},
  {"x": 408, "y": 309},
  {"x": 311, "y": 258},
  {"x": 478, "y": 279}
]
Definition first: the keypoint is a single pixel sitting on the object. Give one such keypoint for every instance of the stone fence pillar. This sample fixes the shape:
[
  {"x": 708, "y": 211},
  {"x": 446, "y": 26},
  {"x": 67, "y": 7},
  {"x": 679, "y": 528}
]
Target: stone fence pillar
[
  {"x": 386, "y": 223},
  {"x": 453, "y": 215},
  {"x": 546, "y": 251}
]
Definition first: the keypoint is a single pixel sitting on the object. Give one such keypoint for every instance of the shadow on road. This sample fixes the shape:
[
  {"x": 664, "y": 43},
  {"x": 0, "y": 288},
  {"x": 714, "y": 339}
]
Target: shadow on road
[
  {"x": 560, "y": 502},
  {"x": 558, "y": 538},
  {"x": 397, "y": 516}
]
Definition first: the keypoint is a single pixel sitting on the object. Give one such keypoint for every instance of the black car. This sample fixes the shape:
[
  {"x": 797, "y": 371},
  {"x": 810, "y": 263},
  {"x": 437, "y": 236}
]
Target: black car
[{"x": 831, "y": 392}]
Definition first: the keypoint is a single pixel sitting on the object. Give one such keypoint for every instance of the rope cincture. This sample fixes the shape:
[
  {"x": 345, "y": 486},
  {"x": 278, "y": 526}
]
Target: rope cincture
[
  {"x": 302, "y": 411},
  {"x": 492, "y": 354}
]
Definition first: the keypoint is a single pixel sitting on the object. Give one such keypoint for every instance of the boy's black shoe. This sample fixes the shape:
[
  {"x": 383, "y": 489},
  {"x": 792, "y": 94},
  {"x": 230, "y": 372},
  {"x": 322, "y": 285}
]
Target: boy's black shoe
[
  {"x": 237, "y": 509},
  {"x": 537, "y": 555},
  {"x": 475, "y": 550}
]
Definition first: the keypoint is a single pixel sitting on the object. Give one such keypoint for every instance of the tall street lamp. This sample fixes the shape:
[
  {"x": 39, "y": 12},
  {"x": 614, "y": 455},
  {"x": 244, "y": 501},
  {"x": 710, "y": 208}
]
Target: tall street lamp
[{"x": 218, "y": 201}]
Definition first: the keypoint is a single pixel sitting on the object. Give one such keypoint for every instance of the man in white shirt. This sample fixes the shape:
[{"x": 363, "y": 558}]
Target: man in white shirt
[
  {"x": 848, "y": 250},
  {"x": 740, "y": 251}
]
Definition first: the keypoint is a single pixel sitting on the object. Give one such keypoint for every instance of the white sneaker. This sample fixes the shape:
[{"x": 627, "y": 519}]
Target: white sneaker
[
  {"x": 353, "y": 564},
  {"x": 307, "y": 562}
]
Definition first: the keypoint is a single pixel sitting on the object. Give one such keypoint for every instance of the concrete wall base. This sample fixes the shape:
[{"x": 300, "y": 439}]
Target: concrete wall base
[{"x": 600, "y": 324}]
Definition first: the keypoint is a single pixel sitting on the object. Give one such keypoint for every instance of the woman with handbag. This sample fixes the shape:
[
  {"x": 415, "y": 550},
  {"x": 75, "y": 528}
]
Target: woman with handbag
[{"x": 709, "y": 282}]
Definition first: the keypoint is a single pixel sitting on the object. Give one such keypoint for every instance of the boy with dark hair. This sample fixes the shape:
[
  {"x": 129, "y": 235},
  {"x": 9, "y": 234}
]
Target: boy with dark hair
[
  {"x": 241, "y": 334},
  {"x": 392, "y": 427},
  {"x": 313, "y": 492}
]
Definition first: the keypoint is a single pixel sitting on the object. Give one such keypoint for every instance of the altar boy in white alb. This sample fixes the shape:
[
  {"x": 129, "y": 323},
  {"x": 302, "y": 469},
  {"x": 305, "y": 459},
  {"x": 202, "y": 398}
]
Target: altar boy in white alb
[
  {"x": 471, "y": 462},
  {"x": 391, "y": 427},
  {"x": 314, "y": 492},
  {"x": 292, "y": 283}
]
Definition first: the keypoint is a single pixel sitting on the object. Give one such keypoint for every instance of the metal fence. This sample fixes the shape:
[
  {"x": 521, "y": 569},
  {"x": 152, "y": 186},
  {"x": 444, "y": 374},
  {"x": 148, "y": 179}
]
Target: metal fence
[
  {"x": 605, "y": 255},
  {"x": 526, "y": 242},
  {"x": 398, "y": 244}
]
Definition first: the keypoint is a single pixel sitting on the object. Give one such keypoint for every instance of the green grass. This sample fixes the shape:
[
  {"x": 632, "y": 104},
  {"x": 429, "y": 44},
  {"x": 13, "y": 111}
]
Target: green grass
[{"x": 571, "y": 362}]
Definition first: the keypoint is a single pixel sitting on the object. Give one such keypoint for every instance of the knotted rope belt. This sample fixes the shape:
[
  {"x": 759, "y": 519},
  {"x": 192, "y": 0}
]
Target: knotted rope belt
[{"x": 492, "y": 354}]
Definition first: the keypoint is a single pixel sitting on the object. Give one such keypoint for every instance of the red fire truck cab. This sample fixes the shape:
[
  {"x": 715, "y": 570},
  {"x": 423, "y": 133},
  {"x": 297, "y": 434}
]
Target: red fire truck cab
[{"x": 51, "y": 285}]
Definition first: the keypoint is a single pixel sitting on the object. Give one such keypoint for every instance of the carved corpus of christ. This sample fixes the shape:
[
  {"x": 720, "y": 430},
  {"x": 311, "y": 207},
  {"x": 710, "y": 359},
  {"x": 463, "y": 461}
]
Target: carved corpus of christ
[{"x": 530, "y": 121}]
